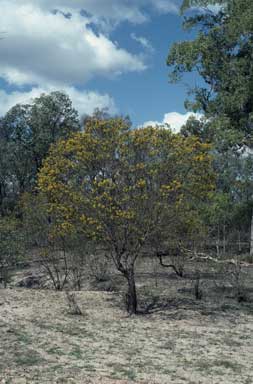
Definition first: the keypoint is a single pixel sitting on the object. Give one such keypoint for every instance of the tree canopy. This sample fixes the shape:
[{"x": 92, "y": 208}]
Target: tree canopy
[
  {"x": 221, "y": 54},
  {"x": 26, "y": 133},
  {"x": 121, "y": 186}
]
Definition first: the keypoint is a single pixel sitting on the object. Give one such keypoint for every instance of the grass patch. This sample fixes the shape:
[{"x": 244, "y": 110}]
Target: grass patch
[
  {"x": 120, "y": 371},
  {"x": 21, "y": 337},
  {"x": 24, "y": 338},
  {"x": 76, "y": 352},
  {"x": 28, "y": 358},
  {"x": 229, "y": 365},
  {"x": 206, "y": 365},
  {"x": 55, "y": 351},
  {"x": 88, "y": 367}
]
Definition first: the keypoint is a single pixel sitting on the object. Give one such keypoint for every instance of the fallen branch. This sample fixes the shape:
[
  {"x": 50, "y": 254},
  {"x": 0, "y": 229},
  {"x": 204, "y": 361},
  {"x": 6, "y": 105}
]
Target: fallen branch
[{"x": 204, "y": 257}]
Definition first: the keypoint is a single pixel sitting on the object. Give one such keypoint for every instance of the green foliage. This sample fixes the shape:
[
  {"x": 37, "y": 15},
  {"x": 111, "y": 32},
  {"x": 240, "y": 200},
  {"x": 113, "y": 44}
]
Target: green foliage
[
  {"x": 11, "y": 246},
  {"x": 35, "y": 220},
  {"x": 10, "y": 241},
  {"x": 222, "y": 54},
  {"x": 122, "y": 187},
  {"x": 116, "y": 183},
  {"x": 26, "y": 133},
  {"x": 63, "y": 258}
]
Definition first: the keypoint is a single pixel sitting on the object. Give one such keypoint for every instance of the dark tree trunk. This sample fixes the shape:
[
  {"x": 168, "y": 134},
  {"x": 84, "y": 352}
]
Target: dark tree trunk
[
  {"x": 131, "y": 298},
  {"x": 251, "y": 236}
]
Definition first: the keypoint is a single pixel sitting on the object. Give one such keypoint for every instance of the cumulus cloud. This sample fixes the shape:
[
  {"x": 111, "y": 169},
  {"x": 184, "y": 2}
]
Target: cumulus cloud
[
  {"x": 41, "y": 47},
  {"x": 116, "y": 11},
  {"x": 84, "y": 101},
  {"x": 174, "y": 119},
  {"x": 61, "y": 44}
]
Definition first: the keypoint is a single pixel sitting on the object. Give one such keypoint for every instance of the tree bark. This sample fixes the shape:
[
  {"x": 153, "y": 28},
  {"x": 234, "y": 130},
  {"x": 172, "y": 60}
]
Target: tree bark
[
  {"x": 224, "y": 239},
  {"x": 178, "y": 270},
  {"x": 251, "y": 236},
  {"x": 239, "y": 241},
  {"x": 132, "y": 301}
]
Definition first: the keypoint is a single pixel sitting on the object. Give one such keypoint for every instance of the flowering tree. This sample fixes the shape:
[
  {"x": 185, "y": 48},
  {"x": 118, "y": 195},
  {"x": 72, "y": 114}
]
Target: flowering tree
[{"x": 119, "y": 186}]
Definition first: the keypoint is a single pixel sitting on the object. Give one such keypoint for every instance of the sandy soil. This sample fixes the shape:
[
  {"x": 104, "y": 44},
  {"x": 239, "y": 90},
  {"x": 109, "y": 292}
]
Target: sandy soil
[{"x": 41, "y": 343}]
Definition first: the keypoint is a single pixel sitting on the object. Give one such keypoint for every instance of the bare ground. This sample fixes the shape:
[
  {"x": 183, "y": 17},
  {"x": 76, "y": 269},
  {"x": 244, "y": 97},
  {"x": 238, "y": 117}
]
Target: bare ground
[{"x": 41, "y": 343}]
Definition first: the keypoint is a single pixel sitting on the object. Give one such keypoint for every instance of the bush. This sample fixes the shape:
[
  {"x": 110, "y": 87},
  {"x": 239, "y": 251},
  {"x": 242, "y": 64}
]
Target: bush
[
  {"x": 99, "y": 268},
  {"x": 11, "y": 247},
  {"x": 74, "y": 308}
]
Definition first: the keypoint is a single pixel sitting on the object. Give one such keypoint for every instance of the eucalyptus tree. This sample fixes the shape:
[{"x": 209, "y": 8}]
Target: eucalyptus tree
[
  {"x": 221, "y": 53},
  {"x": 26, "y": 133}
]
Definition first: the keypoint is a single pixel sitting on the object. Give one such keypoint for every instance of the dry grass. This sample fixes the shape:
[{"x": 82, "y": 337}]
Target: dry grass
[{"x": 183, "y": 343}]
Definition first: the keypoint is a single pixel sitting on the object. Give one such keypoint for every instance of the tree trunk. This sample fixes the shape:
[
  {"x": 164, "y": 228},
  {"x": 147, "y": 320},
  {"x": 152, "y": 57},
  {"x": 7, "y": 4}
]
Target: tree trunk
[
  {"x": 224, "y": 239},
  {"x": 251, "y": 236},
  {"x": 131, "y": 298},
  {"x": 218, "y": 242}
]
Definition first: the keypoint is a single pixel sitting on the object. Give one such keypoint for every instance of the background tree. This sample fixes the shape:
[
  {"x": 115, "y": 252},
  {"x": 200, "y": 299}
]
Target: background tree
[
  {"x": 26, "y": 133},
  {"x": 5, "y": 180},
  {"x": 221, "y": 54},
  {"x": 63, "y": 258},
  {"x": 11, "y": 247}
]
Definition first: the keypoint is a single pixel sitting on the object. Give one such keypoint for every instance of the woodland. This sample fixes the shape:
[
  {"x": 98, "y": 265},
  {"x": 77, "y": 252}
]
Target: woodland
[{"x": 98, "y": 205}]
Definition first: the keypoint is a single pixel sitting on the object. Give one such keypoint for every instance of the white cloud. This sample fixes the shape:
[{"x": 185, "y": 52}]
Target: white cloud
[
  {"x": 46, "y": 50},
  {"x": 145, "y": 43},
  {"x": 109, "y": 10},
  {"x": 84, "y": 101},
  {"x": 174, "y": 119},
  {"x": 166, "y": 6},
  {"x": 41, "y": 47},
  {"x": 116, "y": 11},
  {"x": 214, "y": 8}
]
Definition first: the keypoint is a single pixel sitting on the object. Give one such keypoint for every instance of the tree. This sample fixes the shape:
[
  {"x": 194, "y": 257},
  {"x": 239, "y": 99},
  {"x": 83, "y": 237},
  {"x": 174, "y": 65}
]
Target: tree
[
  {"x": 52, "y": 118},
  {"x": 63, "y": 258},
  {"x": 229, "y": 216},
  {"x": 5, "y": 187},
  {"x": 11, "y": 246},
  {"x": 221, "y": 53},
  {"x": 26, "y": 133},
  {"x": 121, "y": 186}
]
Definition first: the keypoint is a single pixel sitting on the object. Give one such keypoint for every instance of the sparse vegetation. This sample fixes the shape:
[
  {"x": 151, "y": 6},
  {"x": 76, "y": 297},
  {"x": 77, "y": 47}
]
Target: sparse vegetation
[
  {"x": 74, "y": 308},
  {"x": 178, "y": 338},
  {"x": 126, "y": 254}
]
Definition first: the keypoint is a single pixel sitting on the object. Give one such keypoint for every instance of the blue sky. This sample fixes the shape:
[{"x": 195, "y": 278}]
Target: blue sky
[{"x": 103, "y": 53}]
